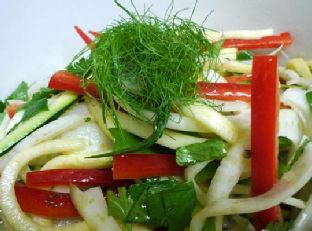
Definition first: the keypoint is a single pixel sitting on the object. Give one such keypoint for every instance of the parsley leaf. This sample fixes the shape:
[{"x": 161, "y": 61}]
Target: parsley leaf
[
  {"x": 124, "y": 140},
  {"x": 21, "y": 92},
  {"x": 38, "y": 103},
  {"x": 213, "y": 149},
  {"x": 1, "y": 116},
  {"x": 285, "y": 145},
  {"x": 119, "y": 206},
  {"x": 2, "y": 106},
  {"x": 309, "y": 99},
  {"x": 244, "y": 55},
  {"x": 299, "y": 152},
  {"x": 162, "y": 203},
  {"x": 80, "y": 68}
]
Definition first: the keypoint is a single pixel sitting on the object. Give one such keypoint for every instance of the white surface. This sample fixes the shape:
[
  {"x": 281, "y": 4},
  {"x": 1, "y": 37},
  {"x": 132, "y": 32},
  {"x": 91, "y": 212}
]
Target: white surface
[{"x": 37, "y": 37}]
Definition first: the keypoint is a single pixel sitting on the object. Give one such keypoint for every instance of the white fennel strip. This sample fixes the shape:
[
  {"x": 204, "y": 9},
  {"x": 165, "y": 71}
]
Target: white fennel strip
[
  {"x": 239, "y": 34},
  {"x": 213, "y": 120},
  {"x": 142, "y": 129},
  {"x": 10, "y": 207},
  {"x": 290, "y": 183},
  {"x": 190, "y": 174}
]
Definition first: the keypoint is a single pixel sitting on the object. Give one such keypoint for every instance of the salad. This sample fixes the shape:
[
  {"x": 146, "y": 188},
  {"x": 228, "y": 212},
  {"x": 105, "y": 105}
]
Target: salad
[{"x": 161, "y": 124}]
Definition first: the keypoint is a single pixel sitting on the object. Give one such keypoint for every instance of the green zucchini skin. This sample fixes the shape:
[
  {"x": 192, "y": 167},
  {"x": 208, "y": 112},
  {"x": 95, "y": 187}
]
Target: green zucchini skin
[{"x": 64, "y": 100}]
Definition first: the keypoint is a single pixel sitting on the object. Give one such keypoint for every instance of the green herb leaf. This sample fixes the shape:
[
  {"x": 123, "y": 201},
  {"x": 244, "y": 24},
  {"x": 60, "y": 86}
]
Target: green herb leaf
[
  {"x": 1, "y": 116},
  {"x": 81, "y": 68},
  {"x": 285, "y": 226},
  {"x": 38, "y": 103},
  {"x": 21, "y": 92},
  {"x": 213, "y": 149},
  {"x": 285, "y": 146},
  {"x": 207, "y": 172},
  {"x": 2, "y": 106},
  {"x": 33, "y": 107},
  {"x": 119, "y": 206},
  {"x": 299, "y": 152},
  {"x": 162, "y": 203},
  {"x": 125, "y": 140},
  {"x": 244, "y": 55},
  {"x": 309, "y": 99}
]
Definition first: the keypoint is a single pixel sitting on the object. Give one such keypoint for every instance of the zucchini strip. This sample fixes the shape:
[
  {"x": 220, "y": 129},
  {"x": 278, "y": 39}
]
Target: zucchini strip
[
  {"x": 10, "y": 207},
  {"x": 288, "y": 185},
  {"x": 25, "y": 128}
]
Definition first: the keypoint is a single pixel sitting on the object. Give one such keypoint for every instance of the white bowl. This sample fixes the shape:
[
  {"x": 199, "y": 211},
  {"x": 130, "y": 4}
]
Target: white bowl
[{"x": 37, "y": 37}]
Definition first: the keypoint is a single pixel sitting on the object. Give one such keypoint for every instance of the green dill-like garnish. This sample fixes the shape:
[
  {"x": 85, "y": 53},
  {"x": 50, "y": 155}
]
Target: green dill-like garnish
[{"x": 146, "y": 63}]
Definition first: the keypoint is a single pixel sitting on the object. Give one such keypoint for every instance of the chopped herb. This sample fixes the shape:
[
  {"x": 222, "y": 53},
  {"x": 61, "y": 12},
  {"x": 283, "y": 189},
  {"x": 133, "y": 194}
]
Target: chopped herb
[
  {"x": 309, "y": 99},
  {"x": 244, "y": 55},
  {"x": 1, "y": 116},
  {"x": 285, "y": 226},
  {"x": 81, "y": 68},
  {"x": 285, "y": 146},
  {"x": 161, "y": 203},
  {"x": 38, "y": 103},
  {"x": 213, "y": 149},
  {"x": 33, "y": 107},
  {"x": 147, "y": 63},
  {"x": 299, "y": 152},
  {"x": 119, "y": 206},
  {"x": 87, "y": 119},
  {"x": 207, "y": 172},
  {"x": 20, "y": 93},
  {"x": 123, "y": 140},
  {"x": 2, "y": 106}
]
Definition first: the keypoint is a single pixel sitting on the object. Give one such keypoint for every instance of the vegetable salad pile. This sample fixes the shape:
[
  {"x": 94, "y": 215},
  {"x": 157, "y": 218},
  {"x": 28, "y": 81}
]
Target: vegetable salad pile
[{"x": 162, "y": 125}]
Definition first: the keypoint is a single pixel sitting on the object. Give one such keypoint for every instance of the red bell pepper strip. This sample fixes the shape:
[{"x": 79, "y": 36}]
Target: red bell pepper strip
[
  {"x": 94, "y": 33},
  {"x": 238, "y": 78},
  {"x": 45, "y": 203},
  {"x": 63, "y": 80},
  {"x": 273, "y": 41},
  {"x": 80, "y": 177},
  {"x": 225, "y": 91},
  {"x": 138, "y": 166},
  {"x": 264, "y": 120},
  {"x": 83, "y": 35},
  {"x": 11, "y": 108}
]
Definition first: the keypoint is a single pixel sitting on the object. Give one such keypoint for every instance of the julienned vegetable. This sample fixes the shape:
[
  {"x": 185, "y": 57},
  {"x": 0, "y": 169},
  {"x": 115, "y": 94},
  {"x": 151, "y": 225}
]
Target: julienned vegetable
[
  {"x": 274, "y": 41},
  {"x": 137, "y": 166},
  {"x": 79, "y": 177},
  {"x": 45, "y": 203},
  {"x": 136, "y": 107},
  {"x": 264, "y": 115}
]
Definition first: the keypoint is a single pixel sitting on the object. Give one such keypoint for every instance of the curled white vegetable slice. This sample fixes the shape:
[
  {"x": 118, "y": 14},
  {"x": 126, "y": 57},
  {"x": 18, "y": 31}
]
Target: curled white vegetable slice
[
  {"x": 47, "y": 132},
  {"x": 10, "y": 207},
  {"x": 288, "y": 185},
  {"x": 139, "y": 128},
  {"x": 92, "y": 206},
  {"x": 304, "y": 220},
  {"x": 213, "y": 120}
]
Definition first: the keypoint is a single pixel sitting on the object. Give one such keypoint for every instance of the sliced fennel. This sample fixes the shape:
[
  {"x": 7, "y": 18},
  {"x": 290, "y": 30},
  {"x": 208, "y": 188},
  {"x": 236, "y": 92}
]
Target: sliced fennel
[
  {"x": 47, "y": 132},
  {"x": 291, "y": 182},
  {"x": 10, "y": 207},
  {"x": 213, "y": 120},
  {"x": 79, "y": 161},
  {"x": 300, "y": 66},
  {"x": 139, "y": 128},
  {"x": 290, "y": 126},
  {"x": 238, "y": 34},
  {"x": 92, "y": 206}
]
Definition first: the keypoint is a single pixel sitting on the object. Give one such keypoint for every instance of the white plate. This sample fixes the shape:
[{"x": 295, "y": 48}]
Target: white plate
[{"x": 37, "y": 37}]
